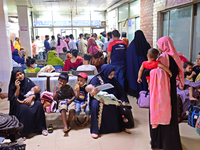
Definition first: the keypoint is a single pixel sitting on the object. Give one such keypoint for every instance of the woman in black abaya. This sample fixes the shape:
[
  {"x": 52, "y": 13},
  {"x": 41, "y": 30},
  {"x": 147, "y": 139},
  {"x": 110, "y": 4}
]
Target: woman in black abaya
[{"x": 33, "y": 118}]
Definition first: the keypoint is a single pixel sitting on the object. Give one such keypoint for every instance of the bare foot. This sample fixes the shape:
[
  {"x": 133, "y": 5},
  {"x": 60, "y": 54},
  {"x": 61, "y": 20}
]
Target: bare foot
[{"x": 193, "y": 99}]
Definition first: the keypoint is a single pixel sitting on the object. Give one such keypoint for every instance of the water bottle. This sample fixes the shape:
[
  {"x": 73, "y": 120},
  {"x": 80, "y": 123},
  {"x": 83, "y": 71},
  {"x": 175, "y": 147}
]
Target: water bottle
[{"x": 124, "y": 119}]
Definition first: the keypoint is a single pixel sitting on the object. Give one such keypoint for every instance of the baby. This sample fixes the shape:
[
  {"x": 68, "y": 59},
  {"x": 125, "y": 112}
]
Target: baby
[
  {"x": 152, "y": 63},
  {"x": 31, "y": 95},
  {"x": 189, "y": 73},
  {"x": 104, "y": 97}
]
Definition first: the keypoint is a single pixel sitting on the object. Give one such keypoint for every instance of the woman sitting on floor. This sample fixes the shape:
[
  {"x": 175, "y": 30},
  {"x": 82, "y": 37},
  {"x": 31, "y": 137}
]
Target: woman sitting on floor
[
  {"x": 33, "y": 118},
  {"x": 106, "y": 120}
]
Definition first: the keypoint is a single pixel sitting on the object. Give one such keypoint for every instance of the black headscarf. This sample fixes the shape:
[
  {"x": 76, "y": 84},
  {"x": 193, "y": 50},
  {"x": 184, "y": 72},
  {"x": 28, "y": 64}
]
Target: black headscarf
[
  {"x": 141, "y": 44},
  {"x": 25, "y": 86},
  {"x": 106, "y": 69},
  {"x": 118, "y": 91}
]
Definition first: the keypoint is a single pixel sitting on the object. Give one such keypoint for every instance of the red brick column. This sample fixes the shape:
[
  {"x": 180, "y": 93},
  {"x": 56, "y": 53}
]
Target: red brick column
[{"x": 146, "y": 19}]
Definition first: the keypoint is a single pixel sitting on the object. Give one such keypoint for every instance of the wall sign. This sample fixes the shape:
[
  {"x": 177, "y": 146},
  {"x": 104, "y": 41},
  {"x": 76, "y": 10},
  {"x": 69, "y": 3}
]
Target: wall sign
[
  {"x": 42, "y": 23},
  {"x": 62, "y": 23},
  {"x": 171, "y": 3},
  {"x": 81, "y": 23},
  {"x": 95, "y": 22}
]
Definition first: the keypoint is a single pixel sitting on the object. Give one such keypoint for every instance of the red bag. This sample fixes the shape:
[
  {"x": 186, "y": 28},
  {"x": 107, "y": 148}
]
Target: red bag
[{"x": 47, "y": 96}]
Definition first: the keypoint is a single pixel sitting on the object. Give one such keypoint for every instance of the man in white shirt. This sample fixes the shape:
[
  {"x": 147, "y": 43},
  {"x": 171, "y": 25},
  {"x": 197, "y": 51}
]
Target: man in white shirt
[
  {"x": 39, "y": 48},
  {"x": 86, "y": 65},
  {"x": 82, "y": 45},
  {"x": 72, "y": 43}
]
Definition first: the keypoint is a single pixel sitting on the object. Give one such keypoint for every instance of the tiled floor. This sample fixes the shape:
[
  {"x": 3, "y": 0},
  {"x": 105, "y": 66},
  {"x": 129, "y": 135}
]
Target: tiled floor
[{"x": 80, "y": 139}]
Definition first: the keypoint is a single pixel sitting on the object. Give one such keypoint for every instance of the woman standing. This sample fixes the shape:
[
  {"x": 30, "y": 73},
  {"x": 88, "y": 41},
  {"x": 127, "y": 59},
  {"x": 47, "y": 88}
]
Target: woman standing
[
  {"x": 60, "y": 44},
  {"x": 92, "y": 47},
  {"x": 109, "y": 121},
  {"x": 135, "y": 55},
  {"x": 33, "y": 118},
  {"x": 164, "y": 130}
]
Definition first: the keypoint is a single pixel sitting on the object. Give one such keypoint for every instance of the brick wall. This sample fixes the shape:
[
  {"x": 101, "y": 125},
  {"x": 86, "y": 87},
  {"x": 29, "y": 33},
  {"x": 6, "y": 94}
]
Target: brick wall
[
  {"x": 146, "y": 19},
  {"x": 158, "y": 6}
]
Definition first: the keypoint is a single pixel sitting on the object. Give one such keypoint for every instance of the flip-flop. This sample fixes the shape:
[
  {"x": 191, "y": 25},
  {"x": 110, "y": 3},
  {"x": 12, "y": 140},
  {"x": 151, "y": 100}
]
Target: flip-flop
[
  {"x": 45, "y": 132},
  {"x": 50, "y": 128},
  {"x": 66, "y": 131},
  {"x": 85, "y": 123}
]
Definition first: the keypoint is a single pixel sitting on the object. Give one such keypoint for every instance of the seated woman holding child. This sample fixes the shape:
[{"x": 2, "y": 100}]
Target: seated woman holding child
[
  {"x": 33, "y": 118},
  {"x": 192, "y": 87},
  {"x": 109, "y": 121}
]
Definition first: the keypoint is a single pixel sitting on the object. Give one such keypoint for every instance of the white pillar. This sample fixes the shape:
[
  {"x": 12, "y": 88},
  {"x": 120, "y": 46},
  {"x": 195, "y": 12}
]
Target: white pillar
[
  {"x": 24, "y": 33},
  {"x": 5, "y": 47}
]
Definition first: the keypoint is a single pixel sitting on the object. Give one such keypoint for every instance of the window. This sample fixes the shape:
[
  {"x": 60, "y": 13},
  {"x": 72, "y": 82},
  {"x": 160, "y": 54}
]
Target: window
[
  {"x": 123, "y": 12},
  {"x": 134, "y": 8},
  {"x": 196, "y": 34},
  {"x": 179, "y": 28}
]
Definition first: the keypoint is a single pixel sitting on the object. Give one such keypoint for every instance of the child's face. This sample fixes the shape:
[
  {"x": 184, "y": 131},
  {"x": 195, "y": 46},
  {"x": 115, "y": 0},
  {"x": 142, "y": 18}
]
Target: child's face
[
  {"x": 36, "y": 89},
  {"x": 81, "y": 81},
  {"x": 188, "y": 69},
  {"x": 62, "y": 82}
]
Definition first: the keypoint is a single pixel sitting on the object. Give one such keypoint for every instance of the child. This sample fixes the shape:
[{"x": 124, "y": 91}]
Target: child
[
  {"x": 31, "y": 95},
  {"x": 151, "y": 64},
  {"x": 189, "y": 76},
  {"x": 81, "y": 101},
  {"x": 104, "y": 97},
  {"x": 65, "y": 96}
]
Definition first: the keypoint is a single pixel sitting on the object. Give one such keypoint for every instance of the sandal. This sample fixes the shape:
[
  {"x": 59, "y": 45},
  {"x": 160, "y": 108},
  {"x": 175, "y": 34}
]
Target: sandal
[
  {"x": 94, "y": 135},
  {"x": 85, "y": 123},
  {"x": 66, "y": 131},
  {"x": 50, "y": 128},
  {"x": 78, "y": 123},
  {"x": 45, "y": 132}
]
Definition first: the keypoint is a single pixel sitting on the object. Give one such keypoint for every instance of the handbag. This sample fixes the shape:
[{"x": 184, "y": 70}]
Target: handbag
[
  {"x": 127, "y": 117},
  {"x": 144, "y": 99},
  {"x": 97, "y": 59}
]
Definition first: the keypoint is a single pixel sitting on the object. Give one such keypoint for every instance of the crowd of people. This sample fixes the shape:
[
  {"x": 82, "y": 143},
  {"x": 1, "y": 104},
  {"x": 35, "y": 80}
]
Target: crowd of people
[{"x": 128, "y": 67}]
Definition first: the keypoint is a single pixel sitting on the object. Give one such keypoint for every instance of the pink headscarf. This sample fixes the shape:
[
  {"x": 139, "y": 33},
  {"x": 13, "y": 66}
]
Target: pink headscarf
[
  {"x": 92, "y": 46},
  {"x": 160, "y": 99},
  {"x": 167, "y": 46},
  {"x": 59, "y": 48}
]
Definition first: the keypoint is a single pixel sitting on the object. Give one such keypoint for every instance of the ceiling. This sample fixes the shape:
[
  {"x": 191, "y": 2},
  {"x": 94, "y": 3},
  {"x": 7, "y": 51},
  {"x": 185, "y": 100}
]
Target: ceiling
[{"x": 61, "y": 5}]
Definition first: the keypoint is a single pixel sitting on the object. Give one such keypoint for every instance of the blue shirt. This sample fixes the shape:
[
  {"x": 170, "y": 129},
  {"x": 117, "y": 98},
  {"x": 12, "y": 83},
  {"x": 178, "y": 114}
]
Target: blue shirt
[
  {"x": 47, "y": 45},
  {"x": 77, "y": 44}
]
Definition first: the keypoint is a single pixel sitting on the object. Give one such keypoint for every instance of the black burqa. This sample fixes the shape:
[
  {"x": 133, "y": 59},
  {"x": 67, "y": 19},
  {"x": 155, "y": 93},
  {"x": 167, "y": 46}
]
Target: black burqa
[
  {"x": 33, "y": 118},
  {"x": 111, "y": 119},
  {"x": 167, "y": 136},
  {"x": 135, "y": 55}
]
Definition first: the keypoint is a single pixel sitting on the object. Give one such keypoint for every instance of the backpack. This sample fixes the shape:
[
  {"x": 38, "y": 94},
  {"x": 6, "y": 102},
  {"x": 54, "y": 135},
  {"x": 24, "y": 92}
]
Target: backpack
[
  {"x": 197, "y": 126},
  {"x": 193, "y": 114},
  {"x": 9, "y": 125}
]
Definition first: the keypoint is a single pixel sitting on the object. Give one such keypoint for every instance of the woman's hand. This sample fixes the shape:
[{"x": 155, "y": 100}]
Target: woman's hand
[
  {"x": 119, "y": 102},
  {"x": 94, "y": 92},
  {"x": 101, "y": 101},
  {"x": 17, "y": 84},
  {"x": 180, "y": 87},
  {"x": 29, "y": 100}
]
